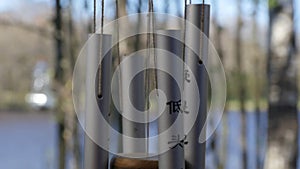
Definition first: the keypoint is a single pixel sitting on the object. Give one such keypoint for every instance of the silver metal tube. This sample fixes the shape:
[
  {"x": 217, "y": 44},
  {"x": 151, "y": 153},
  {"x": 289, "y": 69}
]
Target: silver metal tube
[
  {"x": 96, "y": 157},
  {"x": 136, "y": 99},
  {"x": 173, "y": 158},
  {"x": 195, "y": 151}
]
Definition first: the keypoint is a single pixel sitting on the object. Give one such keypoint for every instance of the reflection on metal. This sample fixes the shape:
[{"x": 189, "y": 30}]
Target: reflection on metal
[
  {"x": 195, "y": 151},
  {"x": 174, "y": 157},
  {"x": 96, "y": 157},
  {"x": 137, "y": 99}
]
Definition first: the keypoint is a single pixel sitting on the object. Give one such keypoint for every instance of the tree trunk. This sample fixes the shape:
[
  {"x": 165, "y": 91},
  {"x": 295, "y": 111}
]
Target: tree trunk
[
  {"x": 283, "y": 94},
  {"x": 122, "y": 8},
  {"x": 219, "y": 149},
  {"x": 257, "y": 84},
  {"x": 59, "y": 79},
  {"x": 59, "y": 42},
  {"x": 240, "y": 81}
]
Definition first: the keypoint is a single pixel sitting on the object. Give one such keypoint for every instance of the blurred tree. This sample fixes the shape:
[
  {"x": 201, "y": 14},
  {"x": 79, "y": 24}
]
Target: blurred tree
[
  {"x": 137, "y": 38},
  {"x": 219, "y": 150},
  {"x": 59, "y": 41},
  {"x": 255, "y": 57},
  {"x": 241, "y": 79},
  {"x": 71, "y": 118},
  {"x": 283, "y": 94},
  {"x": 122, "y": 8},
  {"x": 256, "y": 62},
  {"x": 58, "y": 37}
]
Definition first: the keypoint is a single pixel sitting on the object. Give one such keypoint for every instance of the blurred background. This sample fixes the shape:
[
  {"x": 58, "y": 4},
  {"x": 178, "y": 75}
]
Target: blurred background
[{"x": 256, "y": 41}]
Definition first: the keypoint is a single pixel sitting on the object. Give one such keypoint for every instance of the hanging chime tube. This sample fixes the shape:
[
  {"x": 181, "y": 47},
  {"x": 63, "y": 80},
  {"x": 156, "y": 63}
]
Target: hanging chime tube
[
  {"x": 168, "y": 43},
  {"x": 197, "y": 15},
  {"x": 133, "y": 104},
  {"x": 96, "y": 157}
]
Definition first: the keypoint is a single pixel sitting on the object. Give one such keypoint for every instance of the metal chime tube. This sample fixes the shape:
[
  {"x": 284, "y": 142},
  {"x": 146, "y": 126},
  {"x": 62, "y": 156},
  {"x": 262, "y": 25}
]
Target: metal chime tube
[
  {"x": 195, "y": 151},
  {"x": 173, "y": 158},
  {"x": 136, "y": 98},
  {"x": 95, "y": 157}
]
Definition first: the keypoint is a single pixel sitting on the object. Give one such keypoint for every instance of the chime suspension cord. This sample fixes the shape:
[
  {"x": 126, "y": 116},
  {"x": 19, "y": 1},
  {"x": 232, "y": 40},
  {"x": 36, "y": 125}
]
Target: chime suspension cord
[
  {"x": 95, "y": 13},
  {"x": 102, "y": 16},
  {"x": 117, "y": 32},
  {"x": 95, "y": 16},
  {"x": 148, "y": 75},
  {"x": 151, "y": 50},
  {"x": 153, "y": 44},
  {"x": 119, "y": 57},
  {"x": 184, "y": 30},
  {"x": 184, "y": 38},
  {"x": 202, "y": 25},
  {"x": 101, "y": 46},
  {"x": 202, "y": 16},
  {"x": 151, "y": 38},
  {"x": 202, "y": 30}
]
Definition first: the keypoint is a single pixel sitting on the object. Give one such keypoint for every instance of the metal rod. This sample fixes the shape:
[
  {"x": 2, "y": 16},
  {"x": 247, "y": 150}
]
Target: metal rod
[
  {"x": 99, "y": 91},
  {"x": 136, "y": 99},
  {"x": 195, "y": 151},
  {"x": 96, "y": 157},
  {"x": 173, "y": 158}
]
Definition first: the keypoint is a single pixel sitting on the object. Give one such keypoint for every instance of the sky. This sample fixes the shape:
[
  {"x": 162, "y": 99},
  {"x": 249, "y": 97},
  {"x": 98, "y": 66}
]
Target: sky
[{"x": 227, "y": 9}]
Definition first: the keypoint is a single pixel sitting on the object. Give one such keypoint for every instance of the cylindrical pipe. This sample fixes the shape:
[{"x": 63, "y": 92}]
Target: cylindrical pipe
[
  {"x": 169, "y": 42},
  {"x": 131, "y": 104},
  {"x": 96, "y": 157},
  {"x": 195, "y": 151}
]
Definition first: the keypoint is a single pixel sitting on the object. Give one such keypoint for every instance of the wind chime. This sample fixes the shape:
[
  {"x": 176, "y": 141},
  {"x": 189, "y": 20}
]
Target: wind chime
[
  {"x": 194, "y": 152},
  {"x": 98, "y": 58},
  {"x": 185, "y": 151}
]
